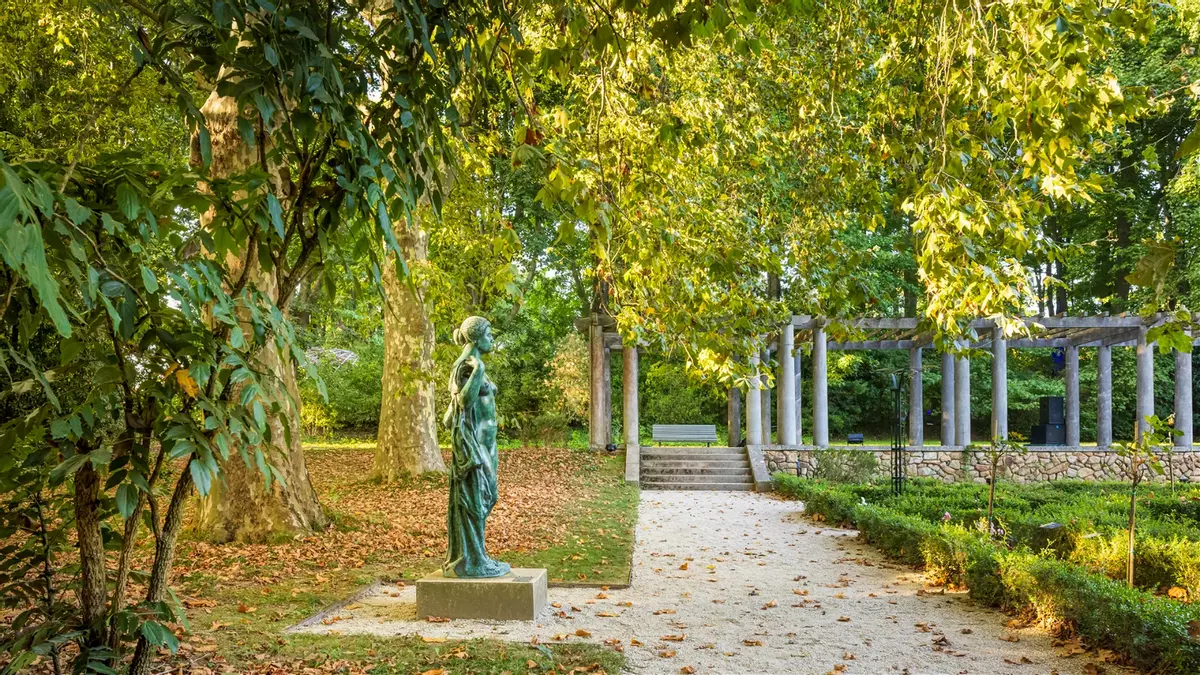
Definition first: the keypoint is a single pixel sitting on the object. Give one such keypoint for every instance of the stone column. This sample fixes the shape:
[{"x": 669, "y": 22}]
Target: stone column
[
  {"x": 1183, "y": 398},
  {"x": 799, "y": 388},
  {"x": 820, "y": 390},
  {"x": 629, "y": 381},
  {"x": 787, "y": 387},
  {"x": 597, "y": 436},
  {"x": 999, "y": 384},
  {"x": 629, "y": 384},
  {"x": 947, "y": 399},
  {"x": 1072, "y": 402},
  {"x": 734, "y": 417},
  {"x": 1145, "y": 383},
  {"x": 608, "y": 397},
  {"x": 916, "y": 399},
  {"x": 962, "y": 401},
  {"x": 766, "y": 400},
  {"x": 754, "y": 435},
  {"x": 1104, "y": 396}
]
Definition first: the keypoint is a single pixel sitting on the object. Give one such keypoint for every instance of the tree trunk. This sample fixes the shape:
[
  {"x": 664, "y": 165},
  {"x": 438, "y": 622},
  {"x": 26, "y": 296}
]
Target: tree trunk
[
  {"x": 160, "y": 572},
  {"x": 240, "y": 506},
  {"x": 1061, "y": 291},
  {"x": 1121, "y": 268},
  {"x": 407, "y": 419},
  {"x": 93, "y": 591},
  {"x": 1050, "y": 289},
  {"x": 910, "y": 292}
]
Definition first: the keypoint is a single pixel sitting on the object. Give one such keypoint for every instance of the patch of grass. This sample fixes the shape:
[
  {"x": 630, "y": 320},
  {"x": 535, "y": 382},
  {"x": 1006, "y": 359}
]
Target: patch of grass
[
  {"x": 599, "y": 545},
  {"x": 414, "y": 655}
]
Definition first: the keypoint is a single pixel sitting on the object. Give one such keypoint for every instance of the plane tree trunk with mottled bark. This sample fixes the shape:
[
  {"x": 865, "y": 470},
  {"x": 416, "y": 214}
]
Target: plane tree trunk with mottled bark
[
  {"x": 407, "y": 418},
  {"x": 241, "y": 506}
]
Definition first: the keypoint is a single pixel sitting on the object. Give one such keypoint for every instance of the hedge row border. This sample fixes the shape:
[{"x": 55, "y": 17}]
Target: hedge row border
[{"x": 1152, "y": 632}]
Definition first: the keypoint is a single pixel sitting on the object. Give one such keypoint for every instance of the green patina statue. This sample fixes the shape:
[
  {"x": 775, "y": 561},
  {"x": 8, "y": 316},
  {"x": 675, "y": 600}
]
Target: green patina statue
[{"x": 472, "y": 421}]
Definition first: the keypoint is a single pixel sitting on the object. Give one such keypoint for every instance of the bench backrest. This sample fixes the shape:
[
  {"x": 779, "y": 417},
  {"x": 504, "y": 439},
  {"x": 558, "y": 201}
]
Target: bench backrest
[{"x": 704, "y": 433}]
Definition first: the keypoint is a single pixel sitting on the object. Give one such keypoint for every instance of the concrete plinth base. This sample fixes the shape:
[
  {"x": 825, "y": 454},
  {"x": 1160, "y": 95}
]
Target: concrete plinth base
[{"x": 517, "y": 596}]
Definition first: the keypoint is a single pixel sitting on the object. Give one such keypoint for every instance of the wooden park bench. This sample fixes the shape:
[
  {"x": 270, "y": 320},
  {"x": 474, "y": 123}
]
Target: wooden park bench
[
  {"x": 854, "y": 439},
  {"x": 691, "y": 433}
]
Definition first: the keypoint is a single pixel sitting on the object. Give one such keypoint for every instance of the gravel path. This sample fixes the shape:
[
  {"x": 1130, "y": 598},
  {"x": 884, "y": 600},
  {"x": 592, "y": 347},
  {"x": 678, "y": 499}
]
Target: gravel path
[{"x": 728, "y": 582}]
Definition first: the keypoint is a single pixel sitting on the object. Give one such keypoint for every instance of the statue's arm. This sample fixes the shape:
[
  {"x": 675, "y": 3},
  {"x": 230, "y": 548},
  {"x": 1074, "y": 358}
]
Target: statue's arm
[{"x": 469, "y": 391}]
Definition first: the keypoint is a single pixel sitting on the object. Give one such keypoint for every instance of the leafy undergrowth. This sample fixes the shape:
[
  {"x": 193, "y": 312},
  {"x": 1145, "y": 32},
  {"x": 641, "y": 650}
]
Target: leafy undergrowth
[{"x": 567, "y": 511}]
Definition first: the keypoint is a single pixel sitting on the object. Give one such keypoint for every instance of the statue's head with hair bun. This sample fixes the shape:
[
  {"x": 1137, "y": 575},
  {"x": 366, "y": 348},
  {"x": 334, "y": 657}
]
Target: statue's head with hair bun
[{"x": 475, "y": 330}]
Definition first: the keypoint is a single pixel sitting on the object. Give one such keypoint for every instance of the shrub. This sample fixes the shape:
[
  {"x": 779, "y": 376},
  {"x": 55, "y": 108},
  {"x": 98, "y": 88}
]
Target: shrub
[
  {"x": 546, "y": 429},
  {"x": 845, "y": 466},
  {"x": 355, "y": 389},
  {"x": 568, "y": 385},
  {"x": 1151, "y": 631}
]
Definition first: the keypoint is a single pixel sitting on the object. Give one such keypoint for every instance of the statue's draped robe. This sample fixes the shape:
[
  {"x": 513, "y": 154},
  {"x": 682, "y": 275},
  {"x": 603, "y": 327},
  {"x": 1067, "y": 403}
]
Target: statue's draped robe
[{"x": 473, "y": 489}]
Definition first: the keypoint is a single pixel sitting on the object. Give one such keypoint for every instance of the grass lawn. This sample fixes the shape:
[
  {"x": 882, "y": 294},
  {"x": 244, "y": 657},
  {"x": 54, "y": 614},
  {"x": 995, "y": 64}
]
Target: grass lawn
[{"x": 564, "y": 510}]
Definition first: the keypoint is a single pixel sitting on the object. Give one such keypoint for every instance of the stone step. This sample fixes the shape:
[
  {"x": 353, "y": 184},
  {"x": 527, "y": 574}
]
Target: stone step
[
  {"x": 726, "y": 487},
  {"x": 694, "y": 448},
  {"x": 698, "y": 463},
  {"x": 649, "y": 470},
  {"x": 698, "y": 478},
  {"x": 671, "y": 454}
]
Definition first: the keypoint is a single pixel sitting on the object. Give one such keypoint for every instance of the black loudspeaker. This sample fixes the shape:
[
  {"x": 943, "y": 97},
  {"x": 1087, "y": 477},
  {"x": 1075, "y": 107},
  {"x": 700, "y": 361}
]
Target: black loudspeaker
[
  {"x": 1048, "y": 434},
  {"x": 1051, "y": 408}
]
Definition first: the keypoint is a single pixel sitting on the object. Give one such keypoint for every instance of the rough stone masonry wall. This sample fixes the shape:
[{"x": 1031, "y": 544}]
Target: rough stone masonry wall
[{"x": 1040, "y": 463}]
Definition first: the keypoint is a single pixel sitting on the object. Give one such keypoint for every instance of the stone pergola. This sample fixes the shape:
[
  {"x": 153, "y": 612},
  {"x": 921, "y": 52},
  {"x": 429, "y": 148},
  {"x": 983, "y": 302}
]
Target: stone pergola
[{"x": 1070, "y": 333}]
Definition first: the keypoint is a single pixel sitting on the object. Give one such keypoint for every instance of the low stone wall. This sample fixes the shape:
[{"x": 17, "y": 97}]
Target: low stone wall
[{"x": 1040, "y": 463}]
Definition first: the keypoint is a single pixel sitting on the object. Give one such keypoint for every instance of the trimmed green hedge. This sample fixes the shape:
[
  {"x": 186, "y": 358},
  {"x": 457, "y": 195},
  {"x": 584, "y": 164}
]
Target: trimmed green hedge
[
  {"x": 1093, "y": 516},
  {"x": 1152, "y": 631}
]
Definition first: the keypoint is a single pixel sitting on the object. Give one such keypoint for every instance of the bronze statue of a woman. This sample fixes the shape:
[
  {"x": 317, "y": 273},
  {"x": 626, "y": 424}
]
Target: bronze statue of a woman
[{"x": 472, "y": 421}]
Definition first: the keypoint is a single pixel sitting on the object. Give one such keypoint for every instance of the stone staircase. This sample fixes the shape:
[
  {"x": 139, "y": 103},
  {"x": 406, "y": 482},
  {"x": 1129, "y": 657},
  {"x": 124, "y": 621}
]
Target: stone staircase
[{"x": 679, "y": 468}]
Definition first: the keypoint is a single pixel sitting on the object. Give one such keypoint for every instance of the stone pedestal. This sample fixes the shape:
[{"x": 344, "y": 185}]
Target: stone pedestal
[{"x": 517, "y": 596}]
